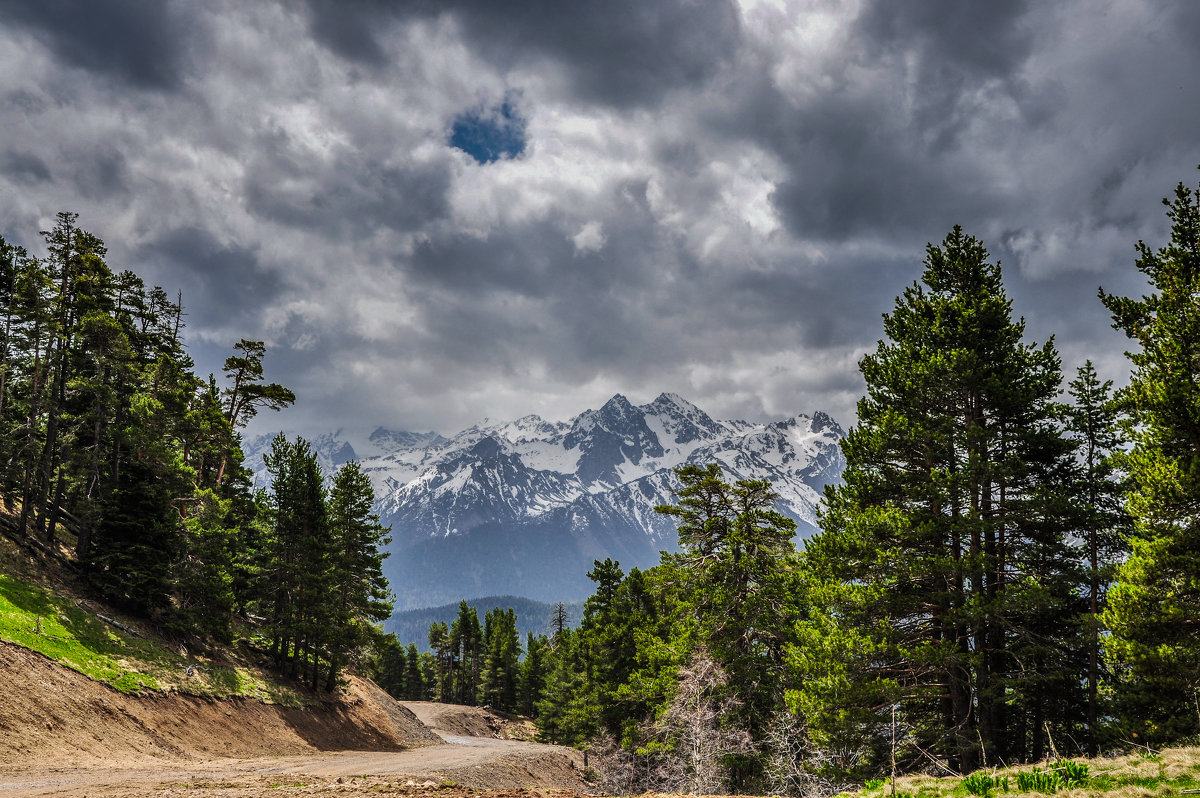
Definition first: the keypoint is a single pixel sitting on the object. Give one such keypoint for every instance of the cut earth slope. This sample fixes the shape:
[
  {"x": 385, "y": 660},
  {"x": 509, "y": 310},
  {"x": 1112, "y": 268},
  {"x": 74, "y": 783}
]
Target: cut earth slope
[
  {"x": 64, "y": 734},
  {"x": 53, "y": 714}
]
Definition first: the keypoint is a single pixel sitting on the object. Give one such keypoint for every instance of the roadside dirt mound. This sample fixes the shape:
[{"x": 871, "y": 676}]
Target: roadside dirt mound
[
  {"x": 462, "y": 721},
  {"x": 52, "y": 714}
]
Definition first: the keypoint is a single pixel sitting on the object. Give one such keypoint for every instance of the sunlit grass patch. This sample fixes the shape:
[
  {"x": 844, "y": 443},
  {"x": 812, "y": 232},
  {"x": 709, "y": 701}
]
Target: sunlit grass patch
[
  {"x": 52, "y": 625},
  {"x": 39, "y": 620},
  {"x": 1139, "y": 775}
]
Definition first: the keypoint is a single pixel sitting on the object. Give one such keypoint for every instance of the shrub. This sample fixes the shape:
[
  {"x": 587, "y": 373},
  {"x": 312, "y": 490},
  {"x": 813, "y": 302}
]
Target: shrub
[{"x": 983, "y": 784}]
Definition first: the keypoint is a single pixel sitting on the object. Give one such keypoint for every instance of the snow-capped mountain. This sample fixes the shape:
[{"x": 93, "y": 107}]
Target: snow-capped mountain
[{"x": 524, "y": 507}]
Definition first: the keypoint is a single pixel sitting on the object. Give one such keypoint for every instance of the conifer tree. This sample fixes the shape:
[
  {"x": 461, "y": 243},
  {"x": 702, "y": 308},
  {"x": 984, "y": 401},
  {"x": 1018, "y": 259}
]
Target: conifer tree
[
  {"x": 502, "y": 652},
  {"x": 947, "y": 534},
  {"x": 1092, "y": 420},
  {"x": 740, "y": 568},
  {"x": 443, "y": 663},
  {"x": 358, "y": 589},
  {"x": 533, "y": 673},
  {"x": 415, "y": 684},
  {"x": 466, "y": 645},
  {"x": 298, "y": 555},
  {"x": 1154, "y": 609},
  {"x": 247, "y": 392}
]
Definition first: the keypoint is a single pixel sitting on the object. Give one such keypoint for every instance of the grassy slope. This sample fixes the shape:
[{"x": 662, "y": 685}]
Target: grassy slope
[
  {"x": 71, "y": 633},
  {"x": 1168, "y": 772}
]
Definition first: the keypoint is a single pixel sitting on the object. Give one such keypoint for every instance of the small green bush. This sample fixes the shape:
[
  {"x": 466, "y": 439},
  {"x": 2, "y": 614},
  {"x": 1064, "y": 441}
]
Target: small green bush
[
  {"x": 983, "y": 784},
  {"x": 1070, "y": 773},
  {"x": 1038, "y": 780}
]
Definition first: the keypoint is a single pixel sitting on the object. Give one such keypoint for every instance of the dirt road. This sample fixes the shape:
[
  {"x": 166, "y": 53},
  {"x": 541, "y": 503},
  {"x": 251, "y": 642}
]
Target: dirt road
[{"x": 464, "y": 766}]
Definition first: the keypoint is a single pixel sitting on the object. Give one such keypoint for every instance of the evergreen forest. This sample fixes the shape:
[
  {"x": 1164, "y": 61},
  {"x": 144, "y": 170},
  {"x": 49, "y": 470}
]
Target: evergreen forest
[
  {"x": 120, "y": 461},
  {"x": 1008, "y": 572}
]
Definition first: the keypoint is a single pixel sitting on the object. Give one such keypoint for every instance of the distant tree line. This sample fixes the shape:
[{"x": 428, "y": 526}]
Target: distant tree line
[
  {"x": 1008, "y": 570},
  {"x": 469, "y": 663},
  {"x": 117, "y": 458}
]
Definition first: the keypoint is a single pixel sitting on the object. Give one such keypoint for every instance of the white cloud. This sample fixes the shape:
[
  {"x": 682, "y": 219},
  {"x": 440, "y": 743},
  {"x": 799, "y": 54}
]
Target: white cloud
[{"x": 590, "y": 238}]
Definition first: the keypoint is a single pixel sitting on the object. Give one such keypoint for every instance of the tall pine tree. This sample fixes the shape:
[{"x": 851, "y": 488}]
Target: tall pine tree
[
  {"x": 1154, "y": 609},
  {"x": 944, "y": 551}
]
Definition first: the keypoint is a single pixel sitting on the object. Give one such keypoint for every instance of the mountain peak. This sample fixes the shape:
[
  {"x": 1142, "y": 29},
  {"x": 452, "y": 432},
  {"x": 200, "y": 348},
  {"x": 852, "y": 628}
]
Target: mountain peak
[
  {"x": 668, "y": 399},
  {"x": 681, "y": 420},
  {"x": 618, "y": 404},
  {"x": 822, "y": 421}
]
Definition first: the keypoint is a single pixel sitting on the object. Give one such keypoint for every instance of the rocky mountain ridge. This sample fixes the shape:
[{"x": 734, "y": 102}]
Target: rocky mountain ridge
[{"x": 523, "y": 507}]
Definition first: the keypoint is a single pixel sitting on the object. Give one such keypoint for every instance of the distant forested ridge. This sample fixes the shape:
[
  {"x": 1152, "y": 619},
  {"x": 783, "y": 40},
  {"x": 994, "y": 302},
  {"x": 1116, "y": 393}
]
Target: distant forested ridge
[
  {"x": 118, "y": 459},
  {"x": 533, "y": 617}
]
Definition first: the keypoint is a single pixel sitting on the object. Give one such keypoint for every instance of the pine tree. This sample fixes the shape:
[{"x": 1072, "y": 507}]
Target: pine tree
[
  {"x": 466, "y": 643},
  {"x": 247, "y": 391},
  {"x": 533, "y": 674},
  {"x": 298, "y": 556},
  {"x": 945, "y": 548},
  {"x": 358, "y": 589},
  {"x": 203, "y": 575},
  {"x": 1154, "y": 609},
  {"x": 389, "y": 666},
  {"x": 502, "y": 653},
  {"x": 416, "y": 686},
  {"x": 1092, "y": 420},
  {"x": 740, "y": 567},
  {"x": 442, "y": 683}
]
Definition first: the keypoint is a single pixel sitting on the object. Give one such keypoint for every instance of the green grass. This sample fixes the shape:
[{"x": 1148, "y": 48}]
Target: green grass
[
  {"x": 52, "y": 625},
  {"x": 1136, "y": 776}
]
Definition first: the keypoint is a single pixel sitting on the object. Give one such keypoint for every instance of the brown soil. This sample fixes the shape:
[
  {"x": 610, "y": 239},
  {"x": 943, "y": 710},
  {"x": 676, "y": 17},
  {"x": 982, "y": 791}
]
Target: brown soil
[
  {"x": 53, "y": 713},
  {"x": 65, "y": 735},
  {"x": 454, "y": 720}
]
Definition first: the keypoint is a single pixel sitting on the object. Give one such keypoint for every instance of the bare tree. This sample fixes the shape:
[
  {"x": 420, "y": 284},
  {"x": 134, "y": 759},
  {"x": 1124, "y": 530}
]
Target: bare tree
[
  {"x": 696, "y": 742},
  {"x": 794, "y": 765}
]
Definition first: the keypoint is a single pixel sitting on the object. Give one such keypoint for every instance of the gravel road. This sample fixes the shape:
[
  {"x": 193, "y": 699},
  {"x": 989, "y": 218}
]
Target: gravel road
[{"x": 462, "y": 767}]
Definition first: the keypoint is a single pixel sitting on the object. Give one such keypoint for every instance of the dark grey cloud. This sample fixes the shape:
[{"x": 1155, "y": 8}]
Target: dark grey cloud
[
  {"x": 626, "y": 53},
  {"x": 143, "y": 45},
  {"x": 24, "y": 167},
  {"x": 100, "y": 173},
  {"x": 348, "y": 195},
  {"x": 956, "y": 44},
  {"x": 220, "y": 283},
  {"x": 349, "y": 28}
]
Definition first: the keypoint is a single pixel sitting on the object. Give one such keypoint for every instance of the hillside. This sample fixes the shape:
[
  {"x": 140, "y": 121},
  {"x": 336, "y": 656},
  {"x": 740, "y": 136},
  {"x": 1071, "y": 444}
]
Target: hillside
[
  {"x": 80, "y": 661},
  {"x": 99, "y": 704},
  {"x": 60, "y": 715}
]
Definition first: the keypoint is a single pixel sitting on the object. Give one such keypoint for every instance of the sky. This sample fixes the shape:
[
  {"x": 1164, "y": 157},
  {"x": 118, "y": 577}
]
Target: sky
[{"x": 437, "y": 212}]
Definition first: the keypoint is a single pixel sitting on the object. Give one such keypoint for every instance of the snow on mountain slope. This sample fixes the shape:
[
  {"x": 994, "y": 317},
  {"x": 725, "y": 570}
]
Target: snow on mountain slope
[{"x": 524, "y": 506}]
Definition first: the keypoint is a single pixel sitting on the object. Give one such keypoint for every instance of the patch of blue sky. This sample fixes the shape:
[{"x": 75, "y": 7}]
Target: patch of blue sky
[{"x": 489, "y": 134}]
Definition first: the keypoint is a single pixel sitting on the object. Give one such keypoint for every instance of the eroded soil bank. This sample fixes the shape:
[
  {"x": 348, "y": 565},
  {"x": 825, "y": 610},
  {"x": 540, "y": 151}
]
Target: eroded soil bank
[{"x": 65, "y": 735}]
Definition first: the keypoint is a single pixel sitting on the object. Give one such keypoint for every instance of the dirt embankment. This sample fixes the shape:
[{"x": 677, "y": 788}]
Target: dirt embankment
[
  {"x": 460, "y": 721},
  {"x": 63, "y": 734},
  {"x": 52, "y": 714}
]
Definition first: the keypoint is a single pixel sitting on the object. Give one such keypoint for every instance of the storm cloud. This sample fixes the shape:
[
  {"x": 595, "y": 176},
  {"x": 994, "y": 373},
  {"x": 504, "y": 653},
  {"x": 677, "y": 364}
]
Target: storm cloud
[{"x": 437, "y": 212}]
